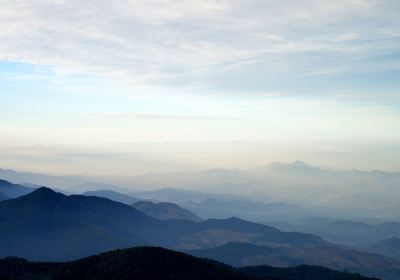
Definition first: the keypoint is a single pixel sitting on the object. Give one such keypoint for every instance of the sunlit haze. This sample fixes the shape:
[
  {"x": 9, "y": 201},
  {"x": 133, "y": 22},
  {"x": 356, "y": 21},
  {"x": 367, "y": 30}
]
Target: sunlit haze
[{"x": 156, "y": 86}]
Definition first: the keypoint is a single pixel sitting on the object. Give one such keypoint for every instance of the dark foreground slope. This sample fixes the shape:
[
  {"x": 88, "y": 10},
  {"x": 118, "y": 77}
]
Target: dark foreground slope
[{"x": 145, "y": 263}]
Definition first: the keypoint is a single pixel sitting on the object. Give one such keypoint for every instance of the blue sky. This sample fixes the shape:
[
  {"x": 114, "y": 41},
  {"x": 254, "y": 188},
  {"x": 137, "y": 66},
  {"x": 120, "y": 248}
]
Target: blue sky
[{"x": 136, "y": 86}]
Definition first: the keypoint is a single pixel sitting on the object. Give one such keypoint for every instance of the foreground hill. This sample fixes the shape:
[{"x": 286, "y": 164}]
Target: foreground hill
[
  {"x": 154, "y": 263},
  {"x": 112, "y": 195},
  {"x": 245, "y": 254},
  {"x": 165, "y": 211}
]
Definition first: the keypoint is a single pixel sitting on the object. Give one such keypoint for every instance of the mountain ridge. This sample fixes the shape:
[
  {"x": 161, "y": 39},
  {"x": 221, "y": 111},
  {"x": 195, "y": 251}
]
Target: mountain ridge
[
  {"x": 113, "y": 195},
  {"x": 11, "y": 190},
  {"x": 165, "y": 211},
  {"x": 145, "y": 263}
]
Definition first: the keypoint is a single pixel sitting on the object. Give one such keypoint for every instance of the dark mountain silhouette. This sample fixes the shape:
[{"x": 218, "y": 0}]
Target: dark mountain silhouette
[
  {"x": 165, "y": 211},
  {"x": 13, "y": 190},
  {"x": 45, "y": 217},
  {"x": 389, "y": 247},
  {"x": 45, "y": 225},
  {"x": 245, "y": 254},
  {"x": 146, "y": 263},
  {"x": 112, "y": 195},
  {"x": 136, "y": 263}
]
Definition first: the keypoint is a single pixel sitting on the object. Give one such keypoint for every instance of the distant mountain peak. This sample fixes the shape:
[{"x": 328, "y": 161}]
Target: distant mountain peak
[
  {"x": 294, "y": 163},
  {"x": 301, "y": 163},
  {"x": 45, "y": 193}
]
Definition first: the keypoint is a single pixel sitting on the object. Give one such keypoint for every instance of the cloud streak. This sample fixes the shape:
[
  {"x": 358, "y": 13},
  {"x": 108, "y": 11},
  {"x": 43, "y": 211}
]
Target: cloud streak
[
  {"x": 145, "y": 116},
  {"x": 202, "y": 43}
]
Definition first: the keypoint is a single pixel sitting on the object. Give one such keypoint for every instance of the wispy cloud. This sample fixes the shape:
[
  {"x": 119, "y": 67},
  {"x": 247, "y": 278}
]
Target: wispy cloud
[
  {"x": 145, "y": 116},
  {"x": 202, "y": 43}
]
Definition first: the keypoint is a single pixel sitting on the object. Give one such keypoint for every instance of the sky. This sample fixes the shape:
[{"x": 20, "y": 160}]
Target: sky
[{"x": 127, "y": 87}]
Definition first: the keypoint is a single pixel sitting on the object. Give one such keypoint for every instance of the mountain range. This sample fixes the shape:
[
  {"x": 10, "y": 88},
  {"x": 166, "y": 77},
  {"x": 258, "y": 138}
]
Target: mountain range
[
  {"x": 336, "y": 193},
  {"x": 211, "y": 205},
  {"x": 159, "y": 210},
  {"x": 60, "y": 227},
  {"x": 49, "y": 226}
]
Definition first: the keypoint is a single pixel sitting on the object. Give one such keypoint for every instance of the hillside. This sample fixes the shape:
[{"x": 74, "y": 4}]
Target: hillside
[
  {"x": 113, "y": 195},
  {"x": 165, "y": 211},
  {"x": 342, "y": 259},
  {"x": 13, "y": 190},
  {"x": 145, "y": 263},
  {"x": 3, "y": 196},
  {"x": 346, "y": 232},
  {"x": 389, "y": 247}
]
